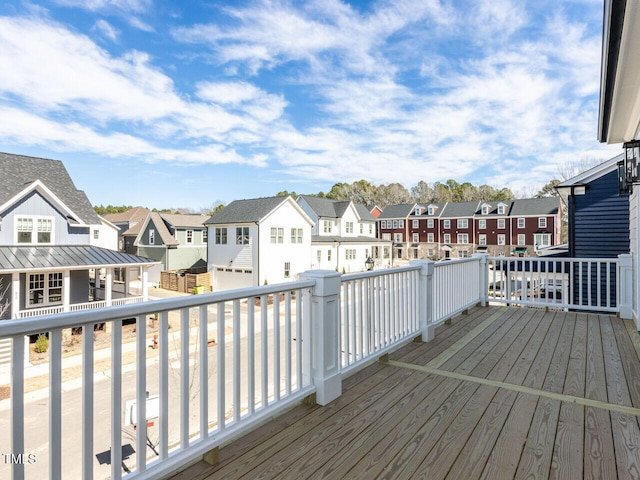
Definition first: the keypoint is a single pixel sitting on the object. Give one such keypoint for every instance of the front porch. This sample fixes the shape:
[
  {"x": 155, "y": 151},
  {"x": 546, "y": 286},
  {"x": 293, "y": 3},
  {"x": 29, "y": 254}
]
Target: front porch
[{"x": 501, "y": 392}]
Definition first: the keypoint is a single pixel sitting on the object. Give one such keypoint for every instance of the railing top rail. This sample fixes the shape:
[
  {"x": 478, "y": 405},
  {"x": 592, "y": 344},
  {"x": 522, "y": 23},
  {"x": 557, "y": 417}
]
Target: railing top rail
[
  {"x": 376, "y": 273},
  {"x": 34, "y": 325},
  {"x": 554, "y": 259},
  {"x": 455, "y": 261}
]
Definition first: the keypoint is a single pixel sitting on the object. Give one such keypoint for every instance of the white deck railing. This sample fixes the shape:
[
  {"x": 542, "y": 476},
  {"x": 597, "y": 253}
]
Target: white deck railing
[
  {"x": 227, "y": 361},
  {"x": 573, "y": 283}
]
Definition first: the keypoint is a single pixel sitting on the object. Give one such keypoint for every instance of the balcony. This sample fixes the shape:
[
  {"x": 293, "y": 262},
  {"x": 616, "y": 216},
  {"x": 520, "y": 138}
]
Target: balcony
[{"x": 499, "y": 391}]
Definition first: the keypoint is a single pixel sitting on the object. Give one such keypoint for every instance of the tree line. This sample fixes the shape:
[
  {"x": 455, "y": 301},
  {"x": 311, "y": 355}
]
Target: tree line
[{"x": 366, "y": 193}]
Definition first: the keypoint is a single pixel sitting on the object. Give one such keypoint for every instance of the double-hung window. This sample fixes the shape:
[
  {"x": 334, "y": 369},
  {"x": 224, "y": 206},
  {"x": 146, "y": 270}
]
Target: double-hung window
[
  {"x": 34, "y": 230},
  {"x": 189, "y": 236},
  {"x": 242, "y": 235},
  {"x": 221, "y": 235},
  {"x": 277, "y": 235},
  {"x": 463, "y": 223},
  {"x": 296, "y": 235}
]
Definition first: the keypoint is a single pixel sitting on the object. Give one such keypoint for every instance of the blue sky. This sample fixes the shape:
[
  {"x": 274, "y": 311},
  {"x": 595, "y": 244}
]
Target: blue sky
[{"x": 183, "y": 104}]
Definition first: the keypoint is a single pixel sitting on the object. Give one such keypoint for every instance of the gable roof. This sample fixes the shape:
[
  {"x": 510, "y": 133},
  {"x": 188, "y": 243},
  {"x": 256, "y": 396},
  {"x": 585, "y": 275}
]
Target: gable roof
[
  {"x": 178, "y": 220},
  {"x": 493, "y": 210},
  {"x": 161, "y": 228},
  {"x": 19, "y": 172},
  {"x": 327, "y": 208},
  {"x": 401, "y": 210},
  {"x": 594, "y": 173},
  {"x": 135, "y": 214},
  {"x": 252, "y": 210},
  {"x": 536, "y": 206}
]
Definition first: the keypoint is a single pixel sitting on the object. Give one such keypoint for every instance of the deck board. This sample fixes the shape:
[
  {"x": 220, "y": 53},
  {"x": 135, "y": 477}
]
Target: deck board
[{"x": 401, "y": 420}]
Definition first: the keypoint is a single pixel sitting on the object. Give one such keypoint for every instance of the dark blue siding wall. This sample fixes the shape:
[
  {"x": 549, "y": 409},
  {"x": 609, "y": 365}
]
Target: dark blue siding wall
[
  {"x": 599, "y": 227},
  {"x": 601, "y": 220}
]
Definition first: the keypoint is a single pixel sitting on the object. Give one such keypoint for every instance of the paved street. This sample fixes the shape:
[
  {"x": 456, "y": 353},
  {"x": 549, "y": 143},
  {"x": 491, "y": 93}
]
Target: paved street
[{"x": 36, "y": 423}]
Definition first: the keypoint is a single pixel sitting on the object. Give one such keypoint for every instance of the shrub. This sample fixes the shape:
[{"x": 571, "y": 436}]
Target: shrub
[{"x": 42, "y": 344}]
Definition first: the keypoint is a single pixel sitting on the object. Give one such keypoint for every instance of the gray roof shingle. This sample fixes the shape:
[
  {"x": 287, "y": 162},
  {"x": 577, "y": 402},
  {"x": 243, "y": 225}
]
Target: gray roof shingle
[
  {"x": 536, "y": 206},
  {"x": 459, "y": 209},
  {"x": 327, "y": 208},
  {"x": 17, "y": 172},
  {"x": 245, "y": 211},
  {"x": 402, "y": 210}
]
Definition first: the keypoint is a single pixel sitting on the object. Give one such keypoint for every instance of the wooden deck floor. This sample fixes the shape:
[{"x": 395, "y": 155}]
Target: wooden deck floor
[{"x": 500, "y": 393}]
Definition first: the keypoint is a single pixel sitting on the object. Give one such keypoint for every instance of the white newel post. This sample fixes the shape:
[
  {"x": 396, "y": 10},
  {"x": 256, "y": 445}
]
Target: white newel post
[
  {"x": 625, "y": 289},
  {"x": 425, "y": 296},
  {"x": 325, "y": 334},
  {"x": 483, "y": 281}
]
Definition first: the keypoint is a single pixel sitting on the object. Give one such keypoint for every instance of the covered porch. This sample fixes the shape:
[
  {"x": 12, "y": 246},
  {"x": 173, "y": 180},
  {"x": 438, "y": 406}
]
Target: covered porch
[{"x": 46, "y": 280}]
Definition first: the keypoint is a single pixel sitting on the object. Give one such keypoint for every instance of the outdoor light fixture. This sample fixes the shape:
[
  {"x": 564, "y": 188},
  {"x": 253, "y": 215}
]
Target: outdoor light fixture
[
  {"x": 624, "y": 188},
  {"x": 631, "y": 157},
  {"x": 369, "y": 263}
]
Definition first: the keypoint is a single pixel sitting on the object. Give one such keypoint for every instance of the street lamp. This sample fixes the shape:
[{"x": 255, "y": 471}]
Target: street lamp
[{"x": 369, "y": 263}]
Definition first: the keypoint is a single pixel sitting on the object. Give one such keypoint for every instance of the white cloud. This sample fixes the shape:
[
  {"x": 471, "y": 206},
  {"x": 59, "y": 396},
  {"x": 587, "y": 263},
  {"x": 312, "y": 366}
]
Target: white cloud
[{"x": 106, "y": 30}]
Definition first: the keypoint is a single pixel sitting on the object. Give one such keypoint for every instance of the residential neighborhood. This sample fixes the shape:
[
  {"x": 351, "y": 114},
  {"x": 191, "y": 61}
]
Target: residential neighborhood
[{"x": 343, "y": 240}]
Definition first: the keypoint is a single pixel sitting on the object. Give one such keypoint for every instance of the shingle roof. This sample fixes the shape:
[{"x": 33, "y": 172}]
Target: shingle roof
[
  {"x": 325, "y": 207},
  {"x": 245, "y": 211},
  {"x": 17, "y": 172},
  {"x": 162, "y": 229},
  {"x": 536, "y": 206},
  {"x": 184, "y": 220},
  {"x": 135, "y": 214},
  {"x": 66, "y": 256},
  {"x": 494, "y": 208},
  {"x": 401, "y": 210},
  {"x": 459, "y": 209}
]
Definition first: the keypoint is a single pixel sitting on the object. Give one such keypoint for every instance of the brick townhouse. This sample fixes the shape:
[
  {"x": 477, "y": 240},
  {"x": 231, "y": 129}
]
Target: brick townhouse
[{"x": 458, "y": 230}]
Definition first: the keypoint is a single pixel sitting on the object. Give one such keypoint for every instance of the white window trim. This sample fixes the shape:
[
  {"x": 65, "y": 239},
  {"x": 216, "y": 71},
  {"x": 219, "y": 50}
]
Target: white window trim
[
  {"x": 522, "y": 223},
  {"x": 152, "y": 236},
  {"x": 501, "y": 221},
  {"x": 34, "y": 228},
  {"x": 189, "y": 236},
  {"x": 522, "y": 240},
  {"x": 542, "y": 222},
  {"x": 46, "y": 302},
  {"x": 482, "y": 224}
]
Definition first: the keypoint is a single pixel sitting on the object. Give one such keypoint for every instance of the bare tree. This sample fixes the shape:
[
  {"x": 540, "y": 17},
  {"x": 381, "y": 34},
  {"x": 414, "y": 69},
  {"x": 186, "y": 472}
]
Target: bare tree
[{"x": 571, "y": 169}]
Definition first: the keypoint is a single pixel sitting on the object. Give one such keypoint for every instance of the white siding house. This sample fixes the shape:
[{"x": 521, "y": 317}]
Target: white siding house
[
  {"x": 344, "y": 235},
  {"x": 257, "y": 241}
]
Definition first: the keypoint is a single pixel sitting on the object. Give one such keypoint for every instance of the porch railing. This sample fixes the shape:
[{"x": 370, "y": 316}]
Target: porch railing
[
  {"x": 227, "y": 361},
  {"x": 74, "y": 307},
  {"x": 596, "y": 284}
]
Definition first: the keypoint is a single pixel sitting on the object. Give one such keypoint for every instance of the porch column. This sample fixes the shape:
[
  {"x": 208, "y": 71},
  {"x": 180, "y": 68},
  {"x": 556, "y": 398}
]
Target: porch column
[
  {"x": 625, "y": 277},
  {"x": 145, "y": 283},
  {"x": 108, "y": 286},
  {"x": 127, "y": 283},
  {"x": 15, "y": 294},
  {"x": 325, "y": 334},
  {"x": 426, "y": 298},
  {"x": 66, "y": 290}
]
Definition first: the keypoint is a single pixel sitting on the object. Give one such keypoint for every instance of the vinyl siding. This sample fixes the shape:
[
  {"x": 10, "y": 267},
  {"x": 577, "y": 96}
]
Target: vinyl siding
[{"x": 601, "y": 220}]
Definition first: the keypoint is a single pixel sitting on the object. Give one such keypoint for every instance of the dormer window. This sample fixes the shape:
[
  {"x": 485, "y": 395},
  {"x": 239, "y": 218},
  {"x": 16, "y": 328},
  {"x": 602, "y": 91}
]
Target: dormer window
[
  {"x": 418, "y": 211},
  {"x": 34, "y": 230},
  {"x": 432, "y": 210},
  {"x": 501, "y": 209},
  {"x": 486, "y": 209}
]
